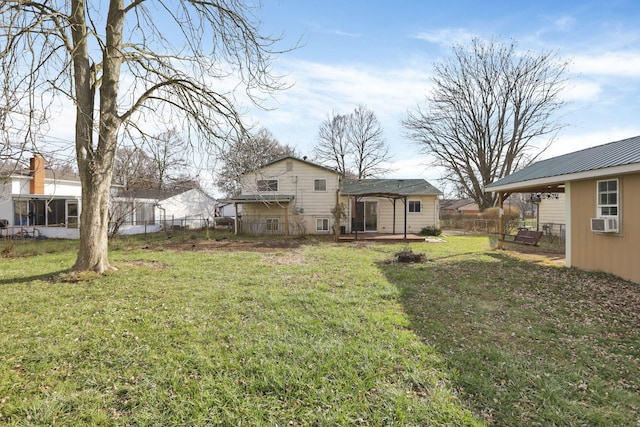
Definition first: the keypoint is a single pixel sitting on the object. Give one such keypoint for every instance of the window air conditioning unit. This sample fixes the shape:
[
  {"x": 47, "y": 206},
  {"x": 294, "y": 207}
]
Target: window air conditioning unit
[{"x": 604, "y": 225}]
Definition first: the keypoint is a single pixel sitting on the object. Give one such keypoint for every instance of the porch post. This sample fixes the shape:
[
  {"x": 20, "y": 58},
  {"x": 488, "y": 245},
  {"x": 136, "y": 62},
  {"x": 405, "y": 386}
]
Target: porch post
[
  {"x": 355, "y": 207},
  {"x": 235, "y": 222},
  {"x": 286, "y": 218},
  {"x": 405, "y": 217},
  {"x": 500, "y": 220},
  {"x": 394, "y": 216}
]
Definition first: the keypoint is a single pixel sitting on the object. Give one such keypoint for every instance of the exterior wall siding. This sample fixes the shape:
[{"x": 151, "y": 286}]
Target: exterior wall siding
[
  {"x": 552, "y": 211},
  {"x": 295, "y": 179},
  {"x": 615, "y": 253},
  {"x": 552, "y": 215},
  {"x": 428, "y": 217}
]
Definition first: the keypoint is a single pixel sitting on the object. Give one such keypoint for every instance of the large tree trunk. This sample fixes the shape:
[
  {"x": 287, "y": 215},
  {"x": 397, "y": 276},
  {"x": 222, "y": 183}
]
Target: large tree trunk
[
  {"x": 95, "y": 162},
  {"x": 94, "y": 222}
]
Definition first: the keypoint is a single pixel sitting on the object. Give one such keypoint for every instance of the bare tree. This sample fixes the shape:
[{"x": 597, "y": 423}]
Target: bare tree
[
  {"x": 248, "y": 154},
  {"x": 333, "y": 145},
  {"x": 168, "y": 155},
  {"x": 126, "y": 66},
  {"x": 369, "y": 148},
  {"x": 353, "y": 144},
  {"x": 133, "y": 169},
  {"x": 491, "y": 111}
]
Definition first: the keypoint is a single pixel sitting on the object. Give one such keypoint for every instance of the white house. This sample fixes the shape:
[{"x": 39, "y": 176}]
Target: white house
[
  {"x": 293, "y": 196},
  {"x": 40, "y": 202},
  {"x": 140, "y": 211}
]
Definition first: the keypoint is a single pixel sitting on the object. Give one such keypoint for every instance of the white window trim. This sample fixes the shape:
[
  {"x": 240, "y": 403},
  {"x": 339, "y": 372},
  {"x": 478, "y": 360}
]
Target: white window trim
[
  {"x": 599, "y": 206},
  {"x": 269, "y": 222},
  {"x": 326, "y": 187},
  {"x": 267, "y": 179},
  {"x": 319, "y": 230},
  {"x": 413, "y": 201}
]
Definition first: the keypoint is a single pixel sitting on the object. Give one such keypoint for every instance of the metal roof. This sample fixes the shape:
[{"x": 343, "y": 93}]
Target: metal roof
[
  {"x": 594, "y": 161},
  {"x": 388, "y": 187}
]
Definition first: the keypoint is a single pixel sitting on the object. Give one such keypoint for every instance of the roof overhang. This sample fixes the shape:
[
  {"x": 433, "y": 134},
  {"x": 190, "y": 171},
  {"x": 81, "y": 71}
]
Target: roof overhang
[
  {"x": 555, "y": 184},
  {"x": 260, "y": 198}
]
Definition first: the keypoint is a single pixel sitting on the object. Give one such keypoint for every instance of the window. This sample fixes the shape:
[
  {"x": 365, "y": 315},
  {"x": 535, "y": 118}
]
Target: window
[
  {"x": 145, "y": 213},
  {"x": 322, "y": 224},
  {"x": 20, "y": 212},
  {"x": 37, "y": 212},
  {"x": 56, "y": 212},
  {"x": 44, "y": 212},
  {"x": 415, "y": 206},
  {"x": 273, "y": 224},
  {"x": 267, "y": 185},
  {"x": 319, "y": 185},
  {"x": 608, "y": 198},
  {"x": 72, "y": 214}
]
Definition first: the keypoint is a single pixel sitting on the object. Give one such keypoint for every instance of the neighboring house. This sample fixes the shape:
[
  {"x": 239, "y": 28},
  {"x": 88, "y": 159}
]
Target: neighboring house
[
  {"x": 602, "y": 201},
  {"x": 552, "y": 214},
  {"x": 40, "y": 202},
  {"x": 295, "y": 196},
  {"x": 139, "y": 211},
  {"x": 456, "y": 207},
  {"x": 227, "y": 210}
]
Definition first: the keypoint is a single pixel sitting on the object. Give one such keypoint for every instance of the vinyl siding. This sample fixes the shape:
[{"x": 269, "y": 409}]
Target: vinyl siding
[
  {"x": 296, "y": 179},
  {"x": 552, "y": 212},
  {"x": 428, "y": 217}
]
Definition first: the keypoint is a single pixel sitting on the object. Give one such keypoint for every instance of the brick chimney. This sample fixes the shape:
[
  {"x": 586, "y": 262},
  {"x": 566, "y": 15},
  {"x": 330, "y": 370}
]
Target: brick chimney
[{"x": 36, "y": 167}]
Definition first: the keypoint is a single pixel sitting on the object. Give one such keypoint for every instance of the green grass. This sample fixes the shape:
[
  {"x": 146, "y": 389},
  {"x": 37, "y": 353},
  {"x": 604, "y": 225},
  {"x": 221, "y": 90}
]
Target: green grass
[{"x": 191, "y": 331}]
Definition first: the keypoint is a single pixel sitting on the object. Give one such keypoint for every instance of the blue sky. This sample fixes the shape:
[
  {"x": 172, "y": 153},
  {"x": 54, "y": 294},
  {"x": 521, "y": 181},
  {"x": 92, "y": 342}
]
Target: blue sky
[{"x": 381, "y": 55}]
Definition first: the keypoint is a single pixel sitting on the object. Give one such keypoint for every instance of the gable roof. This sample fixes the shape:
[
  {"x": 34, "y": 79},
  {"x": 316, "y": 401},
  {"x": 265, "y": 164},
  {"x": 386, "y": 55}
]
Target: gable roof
[
  {"x": 156, "y": 194},
  {"x": 49, "y": 174},
  {"x": 305, "y": 161},
  {"x": 613, "y": 158},
  {"x": 388, "y": 187},
  {"x": 457, "y": 204}
]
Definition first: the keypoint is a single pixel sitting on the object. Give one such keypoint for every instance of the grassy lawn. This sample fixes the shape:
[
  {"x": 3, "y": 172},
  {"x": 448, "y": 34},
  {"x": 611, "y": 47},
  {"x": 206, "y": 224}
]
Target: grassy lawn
[{"x": 196, "y": 331}]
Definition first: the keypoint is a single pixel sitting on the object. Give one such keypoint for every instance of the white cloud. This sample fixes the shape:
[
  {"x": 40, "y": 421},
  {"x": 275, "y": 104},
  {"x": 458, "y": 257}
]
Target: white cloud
[
  {"x": 582, "y": 91},
  {"x": 620, "y": 64},
  {"x": 447, "y": 36},
  {"x": 320, "y": 89},
  {"x": 565, "y": 23}
]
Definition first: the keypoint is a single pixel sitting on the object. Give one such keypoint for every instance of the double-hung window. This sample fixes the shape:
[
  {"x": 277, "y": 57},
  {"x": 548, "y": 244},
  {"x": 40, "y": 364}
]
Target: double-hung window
[
  {"x": 273, "y": 224},
  {"x": 415, "y": 206},
  {"x": 319, "y": 185},
  {"x": 322, "y": 224},
  {"x": 608, "y": 198},
  {"x": 267, "y": 185}
]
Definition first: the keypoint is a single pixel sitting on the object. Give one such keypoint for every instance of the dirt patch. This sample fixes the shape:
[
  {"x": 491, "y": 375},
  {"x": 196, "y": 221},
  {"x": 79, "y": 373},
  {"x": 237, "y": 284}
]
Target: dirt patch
[
  {"x": 541, "y": 258},
  {"x": 228, "y": 245}
]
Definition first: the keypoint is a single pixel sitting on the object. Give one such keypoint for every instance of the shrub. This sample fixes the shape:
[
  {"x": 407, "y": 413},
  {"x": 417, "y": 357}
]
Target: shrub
[{"x": 430, "y": 231}]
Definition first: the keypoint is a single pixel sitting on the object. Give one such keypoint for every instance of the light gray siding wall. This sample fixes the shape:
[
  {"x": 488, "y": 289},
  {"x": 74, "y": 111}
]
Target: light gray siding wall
[
  {"x": 428, "y": 217},
  {"x": 295, "y": 179},
  {"x": 552, "y": 211},
  {"x": 415, "y": 221}
]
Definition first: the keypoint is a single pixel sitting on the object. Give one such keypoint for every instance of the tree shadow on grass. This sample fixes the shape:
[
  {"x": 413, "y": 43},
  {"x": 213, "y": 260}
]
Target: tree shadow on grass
[
  {"x": 525, "y": 343},
  {"x": 44, "y": 277}
]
